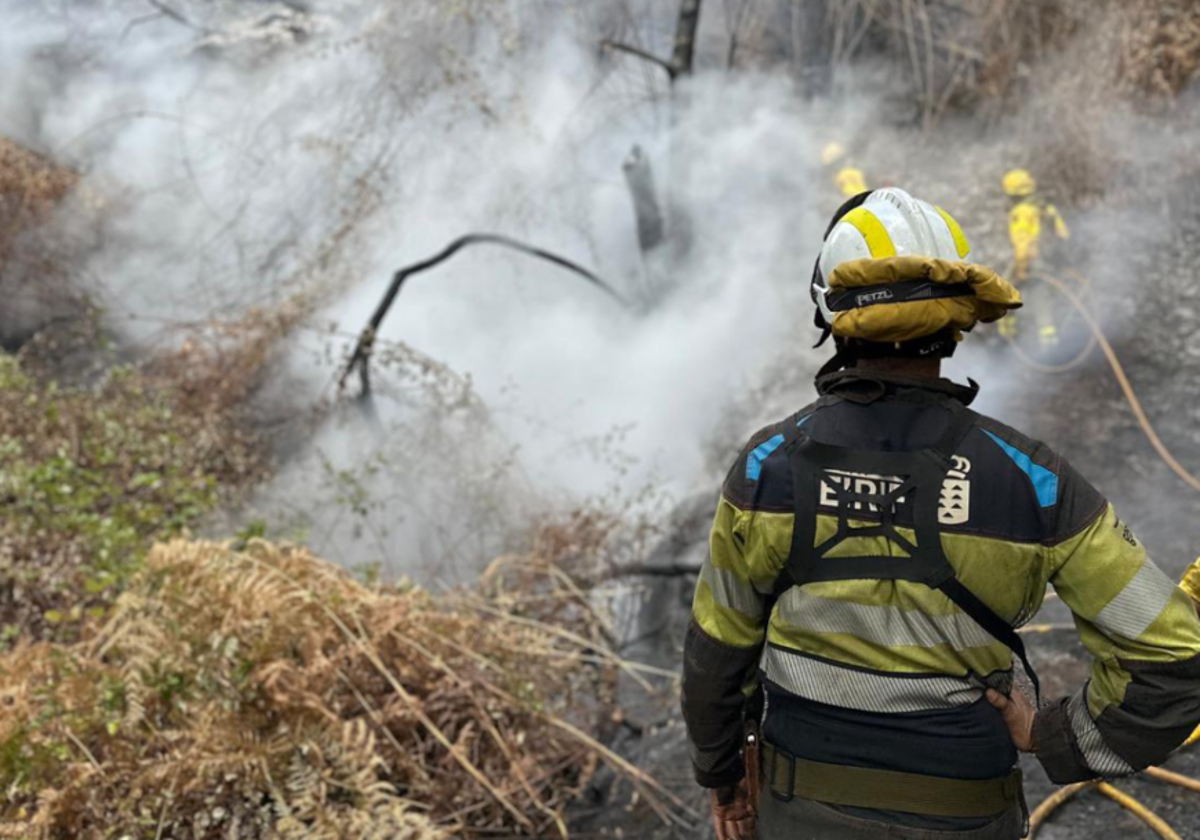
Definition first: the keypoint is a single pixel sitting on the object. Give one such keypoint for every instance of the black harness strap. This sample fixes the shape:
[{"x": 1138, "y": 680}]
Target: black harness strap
[
  {"x": 1001, "y": 630},
  {"x": 878, "y": 485}
]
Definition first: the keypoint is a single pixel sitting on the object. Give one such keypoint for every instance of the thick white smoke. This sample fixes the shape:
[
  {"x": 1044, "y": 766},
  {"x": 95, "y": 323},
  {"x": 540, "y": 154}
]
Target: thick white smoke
[
  {"x": 228, "y": 163},
  {"x": 239, "y": 153}
]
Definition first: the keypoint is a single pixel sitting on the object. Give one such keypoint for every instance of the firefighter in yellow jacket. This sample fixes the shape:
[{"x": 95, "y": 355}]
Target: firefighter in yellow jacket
[
  {"x": 870, "y": 560},
  {"x": 847, "y": 178},
  {"x": 1025, "y": 220}
]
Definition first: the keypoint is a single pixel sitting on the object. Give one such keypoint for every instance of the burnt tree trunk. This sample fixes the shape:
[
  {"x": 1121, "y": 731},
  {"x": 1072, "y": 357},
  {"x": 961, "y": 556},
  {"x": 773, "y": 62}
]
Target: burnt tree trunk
[
  {"x": 684, "y": 56},
  {"x": 639, "y": 175}
]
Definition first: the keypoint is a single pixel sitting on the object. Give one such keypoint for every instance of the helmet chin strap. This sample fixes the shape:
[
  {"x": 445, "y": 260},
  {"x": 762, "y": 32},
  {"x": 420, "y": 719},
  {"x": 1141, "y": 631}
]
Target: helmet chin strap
[
  {"x": 840, "y": 361},
  {"x": 940, "y": 345}
]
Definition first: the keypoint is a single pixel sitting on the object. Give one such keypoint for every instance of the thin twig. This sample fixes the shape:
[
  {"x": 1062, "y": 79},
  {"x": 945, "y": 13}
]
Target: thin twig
[
  {"x": 83, "y": 748},
  {"x": 176, "y": 16},
  {"x": 642, "y": 54}
]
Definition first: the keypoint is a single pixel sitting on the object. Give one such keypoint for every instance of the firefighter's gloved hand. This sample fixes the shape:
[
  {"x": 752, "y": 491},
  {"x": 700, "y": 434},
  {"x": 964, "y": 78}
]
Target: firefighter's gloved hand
[
  {"x": 733, "y": 812},
  {"x": 1019, "y": 714}
]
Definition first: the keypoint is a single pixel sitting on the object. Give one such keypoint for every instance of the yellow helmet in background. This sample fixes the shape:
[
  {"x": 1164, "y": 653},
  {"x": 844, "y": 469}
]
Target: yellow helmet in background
[
  {"x": 832, "y": 153},
  {"x": 1019, "y": 183}
]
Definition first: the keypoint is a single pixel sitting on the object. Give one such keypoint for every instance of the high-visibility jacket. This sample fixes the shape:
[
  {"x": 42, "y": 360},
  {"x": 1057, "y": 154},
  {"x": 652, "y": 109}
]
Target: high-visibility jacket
[
  {"x": 1191, "y": 582},
  {"x": 1025, "y": 232},
  {"x": 850, "y": 181},
  {"x": 891, "y": 674}
]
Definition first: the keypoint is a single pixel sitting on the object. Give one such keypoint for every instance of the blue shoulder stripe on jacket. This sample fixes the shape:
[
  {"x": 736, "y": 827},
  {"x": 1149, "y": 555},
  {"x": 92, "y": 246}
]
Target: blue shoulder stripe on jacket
[
  {"x": 760, "y": 453},
  {"x": 1045, "y": 482}
]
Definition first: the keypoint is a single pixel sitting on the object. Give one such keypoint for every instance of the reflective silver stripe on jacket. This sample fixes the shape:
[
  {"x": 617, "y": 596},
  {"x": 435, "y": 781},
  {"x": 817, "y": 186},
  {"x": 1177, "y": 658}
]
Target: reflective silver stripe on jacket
[
  {"x": 1137, "y": 605},
  {"x": 882, "y": 625},
  {"x": 731, "y": 591},
  {"x": 1098, "y": 755},
  {"x": 866, "y": 691}
]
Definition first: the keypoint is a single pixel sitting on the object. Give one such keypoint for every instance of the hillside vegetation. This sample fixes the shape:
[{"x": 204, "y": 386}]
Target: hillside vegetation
[{"x": 159, "y": 686}]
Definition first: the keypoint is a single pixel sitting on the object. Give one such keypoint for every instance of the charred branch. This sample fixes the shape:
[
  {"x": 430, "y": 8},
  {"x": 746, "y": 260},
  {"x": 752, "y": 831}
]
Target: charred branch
[
  {"x": 361, "y": 357},
  {"x": 683, "y": 56},
  {"x": 644, "y": 55},
  {"x": 685, "y": 37},
  {"x": 672, "y": 570}
]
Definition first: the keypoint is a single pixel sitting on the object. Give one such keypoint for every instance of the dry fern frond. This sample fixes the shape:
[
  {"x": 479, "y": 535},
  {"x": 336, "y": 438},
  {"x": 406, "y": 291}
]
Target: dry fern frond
[{"x": 277, "y": 691}]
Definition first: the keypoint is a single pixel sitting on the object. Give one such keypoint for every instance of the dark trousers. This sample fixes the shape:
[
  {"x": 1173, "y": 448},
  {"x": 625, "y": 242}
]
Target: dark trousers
[{"x": 802, "y": 819}]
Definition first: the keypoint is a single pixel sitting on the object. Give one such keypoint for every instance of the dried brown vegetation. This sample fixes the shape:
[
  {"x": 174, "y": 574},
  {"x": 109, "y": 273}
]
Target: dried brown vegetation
[
  {"x": 1160, "y": 52},
  {"x": 30, "y": 186},
  {"x": 967, "y": 52},
  {"x": 257, "y": 691}
]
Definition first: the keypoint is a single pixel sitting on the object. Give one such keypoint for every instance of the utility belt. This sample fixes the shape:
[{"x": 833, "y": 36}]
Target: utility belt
[{"x": 888, "y": 790}]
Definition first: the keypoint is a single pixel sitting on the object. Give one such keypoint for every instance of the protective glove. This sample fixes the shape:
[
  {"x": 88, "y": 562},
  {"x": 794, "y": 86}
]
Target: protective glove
[{"x": 734, "y": 812}]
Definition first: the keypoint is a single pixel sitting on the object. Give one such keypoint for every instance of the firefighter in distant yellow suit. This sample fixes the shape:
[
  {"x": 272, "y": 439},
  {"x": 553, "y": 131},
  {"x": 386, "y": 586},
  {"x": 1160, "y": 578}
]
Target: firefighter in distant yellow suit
[
  {"x": 1191, "y": 583},
  {"x": 849, "y": 179},
  {"x": 1025, "y": 233}
]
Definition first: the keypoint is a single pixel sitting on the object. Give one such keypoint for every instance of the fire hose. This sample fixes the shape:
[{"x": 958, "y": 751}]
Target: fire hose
[
  {"x": 1063, "y": 367},
  {"x": 1131, "y": 397},
  {"x": 1160, "y": 826}
]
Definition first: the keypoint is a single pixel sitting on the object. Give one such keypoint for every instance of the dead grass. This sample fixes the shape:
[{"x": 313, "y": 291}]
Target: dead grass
[{"x": 257, "y": 691}]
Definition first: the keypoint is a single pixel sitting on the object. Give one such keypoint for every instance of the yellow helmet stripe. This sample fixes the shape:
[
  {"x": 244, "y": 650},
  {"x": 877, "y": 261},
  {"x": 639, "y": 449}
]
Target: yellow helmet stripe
[
  {"x": 879, "y": 241},
  {"x": 960, "y": 239}
]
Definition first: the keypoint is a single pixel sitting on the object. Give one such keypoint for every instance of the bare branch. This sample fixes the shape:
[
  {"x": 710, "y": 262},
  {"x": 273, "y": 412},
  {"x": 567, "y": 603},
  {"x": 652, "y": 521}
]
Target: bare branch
[
  {"x": 174, "y": 15},
  {"x": 685, "y": 44},
  {"x": 161, "y": 10},
  {"x": 361, "y": 356},
  {"x": 672, "y": 570},
  {"x": 642, "y": 54}
]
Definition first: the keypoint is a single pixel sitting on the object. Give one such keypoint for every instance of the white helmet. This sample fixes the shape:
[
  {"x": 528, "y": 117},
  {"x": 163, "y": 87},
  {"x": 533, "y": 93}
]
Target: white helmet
[{"x": 886, "y": 223}]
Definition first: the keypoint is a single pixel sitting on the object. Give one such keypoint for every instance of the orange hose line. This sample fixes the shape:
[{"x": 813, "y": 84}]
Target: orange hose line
[
  {"x": 1126, "y": 386},
  {"x": 1052, "y": 803},
  {"x": 1065, "y": 367},
  {"x": 1042, "y": 367},
  {"x": 1153, "y": 820},
  {"x": 1171, "y": 778}
]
